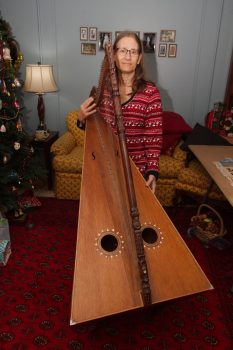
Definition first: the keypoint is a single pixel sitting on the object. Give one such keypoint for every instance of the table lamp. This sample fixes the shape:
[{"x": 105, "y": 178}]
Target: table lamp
[{"x": 39, "y": 80}]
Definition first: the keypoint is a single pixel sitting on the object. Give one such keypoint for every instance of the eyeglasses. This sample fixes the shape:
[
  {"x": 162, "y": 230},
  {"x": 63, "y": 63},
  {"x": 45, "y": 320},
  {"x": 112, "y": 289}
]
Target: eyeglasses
[{"x": 124, "y": 51}]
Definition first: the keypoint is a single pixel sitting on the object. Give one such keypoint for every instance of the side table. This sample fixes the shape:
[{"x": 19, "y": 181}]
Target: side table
[{"x": 43, "y": 146}]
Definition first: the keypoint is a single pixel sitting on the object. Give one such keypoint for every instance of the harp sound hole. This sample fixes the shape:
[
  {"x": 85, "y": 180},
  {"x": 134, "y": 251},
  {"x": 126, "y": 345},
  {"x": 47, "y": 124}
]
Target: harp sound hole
[
  {"x": 109, "y": 243},
  {"x": 149, "y": 235}
]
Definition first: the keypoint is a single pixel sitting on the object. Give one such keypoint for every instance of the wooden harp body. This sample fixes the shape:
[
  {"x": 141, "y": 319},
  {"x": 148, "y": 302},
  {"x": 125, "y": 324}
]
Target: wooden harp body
[
  {"x": 114, "y": 270},
  {"x": 106, "y": 276}
]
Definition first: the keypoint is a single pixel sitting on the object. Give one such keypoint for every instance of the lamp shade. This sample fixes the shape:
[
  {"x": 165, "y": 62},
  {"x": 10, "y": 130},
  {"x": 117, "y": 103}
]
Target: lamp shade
[{"x": 39, "y": 79}]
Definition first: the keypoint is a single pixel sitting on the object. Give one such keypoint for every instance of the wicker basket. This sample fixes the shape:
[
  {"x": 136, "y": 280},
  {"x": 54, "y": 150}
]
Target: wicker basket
[{"x": 207, "y": 225}]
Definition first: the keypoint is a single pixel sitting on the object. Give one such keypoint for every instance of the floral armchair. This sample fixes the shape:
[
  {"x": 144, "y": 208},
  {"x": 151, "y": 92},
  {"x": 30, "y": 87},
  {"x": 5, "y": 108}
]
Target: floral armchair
[{"x": 67, "y": 153}]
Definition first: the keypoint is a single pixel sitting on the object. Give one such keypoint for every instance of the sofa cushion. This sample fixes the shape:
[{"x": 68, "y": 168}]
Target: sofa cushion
[
  {"x": 165, "y": 191},
  {"x": 169, "y": 167},
  {"x": 174, "y": 126},
  {"x": 178, "y": 153},
  {"x": 196, "y": 180},
  {"x": 64, "y": 144},
  {"x": 69, "y": 163},
  {"x": 195, "y": 175},
  {"x": 166, "y": 182}
]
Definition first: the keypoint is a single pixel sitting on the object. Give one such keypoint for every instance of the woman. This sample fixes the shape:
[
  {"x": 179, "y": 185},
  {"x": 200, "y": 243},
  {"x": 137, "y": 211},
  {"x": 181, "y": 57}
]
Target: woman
[{"x": 141, "y": 107}]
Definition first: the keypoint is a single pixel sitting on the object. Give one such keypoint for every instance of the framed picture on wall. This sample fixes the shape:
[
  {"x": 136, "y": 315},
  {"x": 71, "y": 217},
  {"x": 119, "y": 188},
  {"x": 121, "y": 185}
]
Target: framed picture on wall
[
  {"x": 104, "y": 37},
  {"x": 172, "y": 50},
  {"x": 92, "y": 33},
  {"x": 118, "y": 32},
  {"x": 149, "y": 41},
  {"x": 88, "y": 48},
  {"x": 84, "y": 33},
  {"x": 167, "y": 35},
  {"x": 162, "y": 50}
]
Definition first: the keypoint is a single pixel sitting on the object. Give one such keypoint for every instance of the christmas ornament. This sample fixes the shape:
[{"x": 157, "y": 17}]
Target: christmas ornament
[
  {"x": 17, "y": 82},
  {"x": 18, "y": 213},
  {"x": 4, "y": 90},
  {"x": 16, "y": 104},
  {"x": 31, "y": 183},
  {"x": 6, "y": 54},
  {"x": 5, "y": 159},
  {"x": 20, "y": 58},
  {"x": 19, "y": 125},
  {"x": 16, "y": 145},
  {"x": 3, "y": 128}
]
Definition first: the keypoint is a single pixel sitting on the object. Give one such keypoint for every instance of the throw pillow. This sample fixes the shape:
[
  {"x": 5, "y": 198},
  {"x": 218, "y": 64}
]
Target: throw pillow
[
  {"x": 201, "y": 135},
  {"x": 174, "y": 127}
]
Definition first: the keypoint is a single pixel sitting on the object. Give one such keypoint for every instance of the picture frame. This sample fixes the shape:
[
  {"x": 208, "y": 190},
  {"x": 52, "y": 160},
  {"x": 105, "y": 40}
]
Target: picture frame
[
  {"x": 118, "y": 32},
  {"x": 88, "y": 48},
  {"x": 149, "y": 42},
  {"x": 92, "y": 33},
  {"x": 172, "y": 50},
  {"x": 162, "y": 50},
  {"x": 168, "y": 35},
  {"x": 104, "y": 37},
  {"x": 83, "y": 33}
]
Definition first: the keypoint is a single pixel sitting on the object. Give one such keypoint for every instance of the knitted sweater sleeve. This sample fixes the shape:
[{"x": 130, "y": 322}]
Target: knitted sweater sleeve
[{"x": 153, "y": 130}]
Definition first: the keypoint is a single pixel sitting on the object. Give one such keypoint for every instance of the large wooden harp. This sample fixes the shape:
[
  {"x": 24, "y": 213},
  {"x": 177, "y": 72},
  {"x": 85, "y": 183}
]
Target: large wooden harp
[{"x": 128, "y": 254}]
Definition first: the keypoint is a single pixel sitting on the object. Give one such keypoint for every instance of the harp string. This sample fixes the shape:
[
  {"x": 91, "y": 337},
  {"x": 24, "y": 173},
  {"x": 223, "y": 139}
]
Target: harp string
[
  {"x": 108, "y": 75},
  {"x": 113, "y": 179}
]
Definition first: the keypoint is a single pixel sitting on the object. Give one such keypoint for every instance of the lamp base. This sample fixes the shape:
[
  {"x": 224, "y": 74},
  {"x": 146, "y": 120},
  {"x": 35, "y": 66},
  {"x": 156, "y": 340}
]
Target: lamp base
[
  {"x": 41, "y": 126},
  {"x": 41, "y": 112}
]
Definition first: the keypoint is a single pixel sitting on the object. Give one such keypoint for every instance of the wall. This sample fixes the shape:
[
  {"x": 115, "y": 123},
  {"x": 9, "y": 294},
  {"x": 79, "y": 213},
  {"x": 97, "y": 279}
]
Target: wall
[{"x": 189, "y": 83}]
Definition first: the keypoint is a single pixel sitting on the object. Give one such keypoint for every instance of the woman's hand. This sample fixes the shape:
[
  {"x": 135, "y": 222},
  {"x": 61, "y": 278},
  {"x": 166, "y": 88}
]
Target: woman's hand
[
  {"x": 87, "y": 108},
  {"x": 151, "y": 182}
]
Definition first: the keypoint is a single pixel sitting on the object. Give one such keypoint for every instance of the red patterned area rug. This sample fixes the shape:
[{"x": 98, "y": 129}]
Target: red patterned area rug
[{"x": 36, "y": 285}]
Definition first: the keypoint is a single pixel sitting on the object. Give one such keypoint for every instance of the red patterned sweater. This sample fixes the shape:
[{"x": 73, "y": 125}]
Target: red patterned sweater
[{"x": 142, "y": 118}]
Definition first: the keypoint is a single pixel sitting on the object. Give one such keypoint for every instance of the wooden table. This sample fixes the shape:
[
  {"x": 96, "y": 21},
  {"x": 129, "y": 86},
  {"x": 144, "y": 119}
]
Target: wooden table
[{"x": 207, "y": 155}]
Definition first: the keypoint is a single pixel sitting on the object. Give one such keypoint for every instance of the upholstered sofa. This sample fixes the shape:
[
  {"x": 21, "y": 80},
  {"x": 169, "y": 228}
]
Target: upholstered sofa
[
  {"x": 172, "y": 159},
  {"x": 175, "y": 176},
  {"x": 67, "y": 153}
]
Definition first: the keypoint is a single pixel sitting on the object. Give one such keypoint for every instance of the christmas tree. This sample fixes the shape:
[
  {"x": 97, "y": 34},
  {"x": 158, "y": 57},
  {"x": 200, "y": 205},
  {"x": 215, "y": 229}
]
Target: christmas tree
[{"x": 18, "y": 168}]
